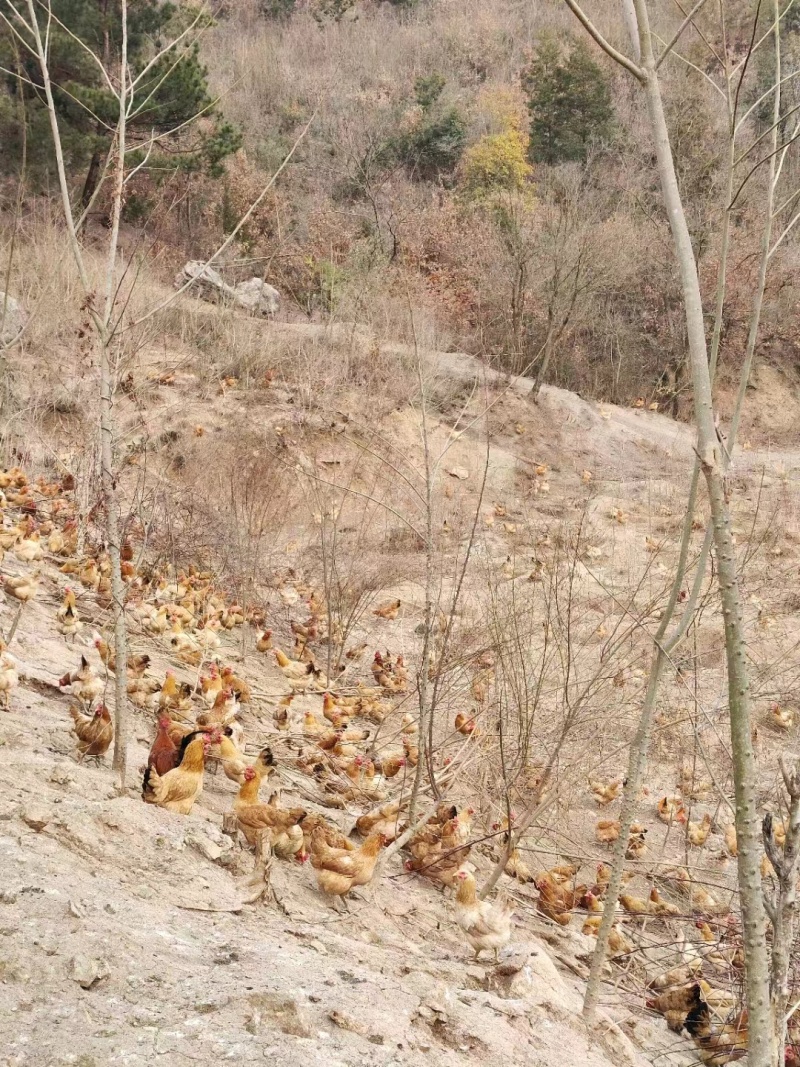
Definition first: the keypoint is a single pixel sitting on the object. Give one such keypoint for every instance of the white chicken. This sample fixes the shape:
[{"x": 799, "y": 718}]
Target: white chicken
[{"x": 486, "y": 926}]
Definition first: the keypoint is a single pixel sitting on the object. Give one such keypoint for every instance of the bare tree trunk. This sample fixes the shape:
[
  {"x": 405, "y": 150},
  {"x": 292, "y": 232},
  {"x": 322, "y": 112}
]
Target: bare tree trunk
[
  {"x": 108, "y": 434},
  {"x": 761, "y": 1050},
  {"x": 92, "y": 179}
]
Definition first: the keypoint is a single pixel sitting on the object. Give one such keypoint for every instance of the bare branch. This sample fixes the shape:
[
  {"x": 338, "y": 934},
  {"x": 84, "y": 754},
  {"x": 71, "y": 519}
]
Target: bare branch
[
  {"x": 678, "y": 33},
  {"x": 608, "y": 48}
]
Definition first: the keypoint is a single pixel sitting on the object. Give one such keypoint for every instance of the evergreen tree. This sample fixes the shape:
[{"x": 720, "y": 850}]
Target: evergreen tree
[
  {"x": 569, "y": 102},
  {"x": 172, "y": 92},
  {"x": 432, "y": 148}
]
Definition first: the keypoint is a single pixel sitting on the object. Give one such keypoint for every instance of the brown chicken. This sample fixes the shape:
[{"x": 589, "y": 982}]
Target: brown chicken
[
  {"x": 517, "y": 869},
  {"x": 670, "y": 809},
  {"x": 255, "y": 818},
  {"x": 233, "y": 762},
  {"x": 137, "y": 665},
  {"x": 391, "y": 764},
  {"x": 179, "y": 788},
  {"x": 333, "y": 835},
  {"x": 486, "y": 926},
  {"x": 654, "y": 905},
  {"x": 339, "y": 871},
  {"x": 556, "y": 898},
  {"x": 388, "y": 610},
  {"x": 264, "y": 641},
  {"x": 238, "y": 686},
  {"x": 466, "y": 725},
  {"x": 606, "y": 792},
  {"x": 95, "y": 732},
  {"x": 68, "y": 621},
  {"x": 21, "y": 587},
  {"x": 698, "y": 832},
  {"x": 383, "y": 820},
  {"x": 165, "y": 753}
]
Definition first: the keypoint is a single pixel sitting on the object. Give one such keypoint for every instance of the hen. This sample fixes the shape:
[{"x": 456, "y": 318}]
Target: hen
[
  {"x": 164, "y": 752},
  {"x": 9, "y": 679},
  {"x": 95, "y": 732},
  {"x": 179, "y": 788},
  {"x": 254, "y": 818},
  {"x": 338, "y": 870},
  {"x": 486, "y": 926}
]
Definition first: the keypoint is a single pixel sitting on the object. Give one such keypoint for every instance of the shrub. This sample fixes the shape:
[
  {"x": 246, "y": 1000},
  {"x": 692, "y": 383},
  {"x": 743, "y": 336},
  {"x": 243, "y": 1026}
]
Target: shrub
[{"x": 497, "y": 161}]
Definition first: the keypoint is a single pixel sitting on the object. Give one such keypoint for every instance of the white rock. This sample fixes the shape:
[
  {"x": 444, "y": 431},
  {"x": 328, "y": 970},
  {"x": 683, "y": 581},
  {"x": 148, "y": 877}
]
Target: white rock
[{"x": 253, "y": 295}]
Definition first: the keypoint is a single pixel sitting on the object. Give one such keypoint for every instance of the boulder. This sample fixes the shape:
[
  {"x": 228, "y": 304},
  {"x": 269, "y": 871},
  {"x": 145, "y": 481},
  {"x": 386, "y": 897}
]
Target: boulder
[
  {"x": 253, "y": 295},
  {"x": 257, "y": 297},
  {"x": 12, "y": 318}
]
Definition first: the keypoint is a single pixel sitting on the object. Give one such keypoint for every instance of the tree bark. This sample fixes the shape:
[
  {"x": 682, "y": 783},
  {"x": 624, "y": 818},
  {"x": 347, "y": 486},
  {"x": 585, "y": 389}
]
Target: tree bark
[
  {"x": 92, "y": 178},
  {"x": 761, "y": 1047}
]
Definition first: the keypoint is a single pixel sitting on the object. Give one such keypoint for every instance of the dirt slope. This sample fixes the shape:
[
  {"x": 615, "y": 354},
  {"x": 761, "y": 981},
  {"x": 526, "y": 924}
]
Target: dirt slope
[
  {"x": 141, "y": 907},
  {"x": 123, "y": 935}
]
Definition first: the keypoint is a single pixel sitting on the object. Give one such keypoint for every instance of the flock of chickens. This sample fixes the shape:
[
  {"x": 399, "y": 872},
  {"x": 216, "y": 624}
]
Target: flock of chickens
[{"x": 353, "y": 747}]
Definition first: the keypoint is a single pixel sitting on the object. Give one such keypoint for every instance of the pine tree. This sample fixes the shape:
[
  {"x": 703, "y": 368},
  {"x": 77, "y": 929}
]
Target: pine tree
[
  {"x": 569, "y": 102},
  {"x": 173, "y": 91}
]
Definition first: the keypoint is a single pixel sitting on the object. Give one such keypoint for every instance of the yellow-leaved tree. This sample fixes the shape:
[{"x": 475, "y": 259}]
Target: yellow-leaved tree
[{"x": 498, "y": 161}]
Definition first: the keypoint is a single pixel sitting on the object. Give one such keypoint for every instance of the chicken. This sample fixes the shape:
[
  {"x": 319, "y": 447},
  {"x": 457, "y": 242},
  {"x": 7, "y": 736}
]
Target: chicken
[
  {"x": 254, "y": 818},
  {"x": 517, "y": 868},
  {"x": 339, "y": 871},
  {"x": 290, "y": 843},
  {"x": 333, "y": 835},
  {"x": 29, "y": 549},
  {"x": 232, "y": 760},
  {"x": 178, "y": 789},
  {"x": 21, "y": 587},
  {"x": 607, "y": 830},
  {"x": 698, "y": 832},
  {"x": 730, "y": 840},
  {"x": 676, "y": 976},
  {"x": 164, "y": 752},
  {"x": 637, "y": 843},
  {"x": 388, "y": 610},
  {"x": 465, "y": 725},
  {"x": 383, "y": 820},
  {"x": 604, "y": 877},
  {"x": 670, "y": 809},
  {"x": 95, "y": 732},
  {"x": 717, "y": 1043},
  {"x": 781, "y": 718},
  {"x": 68, "y": 621},
  {"x": 606, "y": 792},
  {"x": 556, "y": 897},
  {"x": 299, "y": 675},
  {"x": 592, "y": 903},
  {"x": 137, "y": 665},
  {"x": 440, "y": 860},
  {"x": 84, "y": 683},
  {"x": 391, "y": 764},
  {"x": 237, "y": 685},
  {"x": 264, "y": 641},
  {"x": 174, "y": 696},
  {"x": 9, "y": 679},
  {"x": 618, "y": 943},
  {"x": 142, "y": 690},
  {"x": 654, "y": 905},
  {"x": 699, "y": 897},
  {"x": 486, "y": 926}
]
